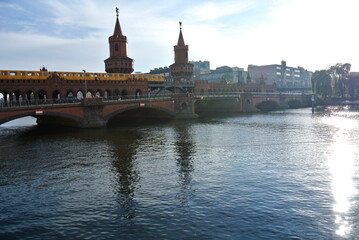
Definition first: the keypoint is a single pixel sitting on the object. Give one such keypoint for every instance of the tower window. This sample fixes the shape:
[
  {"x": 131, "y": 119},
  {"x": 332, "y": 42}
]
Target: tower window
[{"x": 116, "y": 47}]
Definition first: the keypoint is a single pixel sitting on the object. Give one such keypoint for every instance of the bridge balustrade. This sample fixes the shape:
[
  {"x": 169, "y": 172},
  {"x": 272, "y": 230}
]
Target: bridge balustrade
[
  {"x": 49, "y": 102},
  {"x": 36, "y": 102},
  {"x": 149, "y": 97}
]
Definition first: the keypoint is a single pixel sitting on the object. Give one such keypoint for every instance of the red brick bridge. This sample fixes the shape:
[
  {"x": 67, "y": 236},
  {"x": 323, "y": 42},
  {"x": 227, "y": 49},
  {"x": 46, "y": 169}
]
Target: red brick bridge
[{"x": 97, "y": 112}]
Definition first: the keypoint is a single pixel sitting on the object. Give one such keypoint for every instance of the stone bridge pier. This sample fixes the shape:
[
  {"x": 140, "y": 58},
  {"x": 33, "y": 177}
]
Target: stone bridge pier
[{"x": 184, "y": 106}]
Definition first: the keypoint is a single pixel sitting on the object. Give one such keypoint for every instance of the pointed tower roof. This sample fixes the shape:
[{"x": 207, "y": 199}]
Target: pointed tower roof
[
  {"x": 180, "y": 38},
  {"x": 118, "y": 31}
]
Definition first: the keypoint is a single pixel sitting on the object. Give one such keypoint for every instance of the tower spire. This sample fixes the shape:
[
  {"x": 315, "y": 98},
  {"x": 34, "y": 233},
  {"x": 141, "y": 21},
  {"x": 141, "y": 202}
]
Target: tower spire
[
  {"x": 180, "y": 38},
  {"x": 118, "y": 30},
  {"x": 181, "y": 69},
  {"x": 118, "y": 62}
]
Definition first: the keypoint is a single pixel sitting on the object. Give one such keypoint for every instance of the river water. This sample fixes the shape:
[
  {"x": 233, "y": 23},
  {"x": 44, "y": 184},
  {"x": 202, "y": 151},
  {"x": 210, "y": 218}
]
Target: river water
[{"x": 280, "y": 175}]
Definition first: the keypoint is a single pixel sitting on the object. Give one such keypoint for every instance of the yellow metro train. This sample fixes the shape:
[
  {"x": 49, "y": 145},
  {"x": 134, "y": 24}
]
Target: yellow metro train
[{"x": 42, "y": 75}]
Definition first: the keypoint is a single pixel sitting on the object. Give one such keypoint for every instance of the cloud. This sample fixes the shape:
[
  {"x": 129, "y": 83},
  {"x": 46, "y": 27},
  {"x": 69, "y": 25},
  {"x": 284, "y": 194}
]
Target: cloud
[
  {"x": 312, "y": 34},
  {"x": 57, "y": 54},
  {"x": 11, "y": 6},
  {"x": 215, "y": 10},
  {"x": 74, "y": 34}
]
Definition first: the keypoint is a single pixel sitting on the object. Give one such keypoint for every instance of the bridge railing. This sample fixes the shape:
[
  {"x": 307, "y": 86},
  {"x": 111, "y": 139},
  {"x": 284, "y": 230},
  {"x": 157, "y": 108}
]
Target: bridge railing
[
  {"x": 134, "y": 97},
  {"x": 37, "y": 102},
  {"x": 129, "y": 98},
  {"x": 51, "y": 102},
  {"x": 217, "y": 95}
]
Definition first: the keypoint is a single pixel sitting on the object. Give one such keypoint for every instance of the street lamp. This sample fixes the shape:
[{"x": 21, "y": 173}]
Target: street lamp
[{"x": 85, "y": 84}]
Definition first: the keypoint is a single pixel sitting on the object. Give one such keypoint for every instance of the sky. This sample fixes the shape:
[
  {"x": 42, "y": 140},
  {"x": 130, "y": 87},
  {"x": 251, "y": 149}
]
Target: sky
[{"x": 72, "y": 35}]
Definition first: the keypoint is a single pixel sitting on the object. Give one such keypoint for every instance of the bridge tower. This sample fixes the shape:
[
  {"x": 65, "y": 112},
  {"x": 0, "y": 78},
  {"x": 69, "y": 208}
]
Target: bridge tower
[
  {"x": 181, "y": 70},
  {"x": 118, "y": 62}
]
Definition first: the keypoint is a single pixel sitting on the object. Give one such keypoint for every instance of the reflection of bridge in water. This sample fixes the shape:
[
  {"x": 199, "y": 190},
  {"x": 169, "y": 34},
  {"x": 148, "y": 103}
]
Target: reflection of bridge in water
[{"x": 98, "y": 112}]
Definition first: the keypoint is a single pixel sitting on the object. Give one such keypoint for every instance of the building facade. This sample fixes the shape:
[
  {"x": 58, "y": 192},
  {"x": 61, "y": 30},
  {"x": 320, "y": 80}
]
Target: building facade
[
  {"x": 224, "y": 74},
  {"x": 282, "y": 76},
  {"x": 163, "y": 71},
  {"x": 200, "y": 67}
]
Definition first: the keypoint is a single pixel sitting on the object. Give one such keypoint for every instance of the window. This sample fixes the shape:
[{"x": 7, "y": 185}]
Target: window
[{"x": 116, "y": 47}]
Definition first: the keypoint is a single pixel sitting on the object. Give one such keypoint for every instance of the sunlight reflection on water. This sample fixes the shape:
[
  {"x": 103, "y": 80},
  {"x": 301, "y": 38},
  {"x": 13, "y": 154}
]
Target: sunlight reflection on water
[{"x": 342, "y": 166}]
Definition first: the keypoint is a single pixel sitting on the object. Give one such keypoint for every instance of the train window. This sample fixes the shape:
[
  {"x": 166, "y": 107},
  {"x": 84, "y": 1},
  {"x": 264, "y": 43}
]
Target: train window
[
  {"x": 39, "y": 74},
  {"x": 121, "y": 76},
  {"x": 30, "y": 74},
  {"x": 4, "y": 73},
  {"x": 110, "y": 75},
  {"x": 13, "y": 73}
]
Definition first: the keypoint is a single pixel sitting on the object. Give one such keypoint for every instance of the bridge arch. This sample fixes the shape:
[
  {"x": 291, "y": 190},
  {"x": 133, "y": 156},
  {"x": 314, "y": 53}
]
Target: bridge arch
[
  {"x": 294, "y": 103},
  {"x": 79, "y": 94},
  {"x": 17, "y": 96},
  {"x": 267, "y": 105},
  {"x": 30, "y": 95},
  {"x": 107, "y": 93},
  {"x": 56, "y": 95},
  {"x": 42, "y": 95},
  {"x": 47, "y": 117},
  {"x": 70, "y": 94},
  {"x": 161, "y": 112},
  {"x": 171, "y": 89},
  {"x": 124, "y": 92},
  {"x": 90, "y": 93},
  {"x": 99, "y": 93},
  {"x": 5, "y": 95}
]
